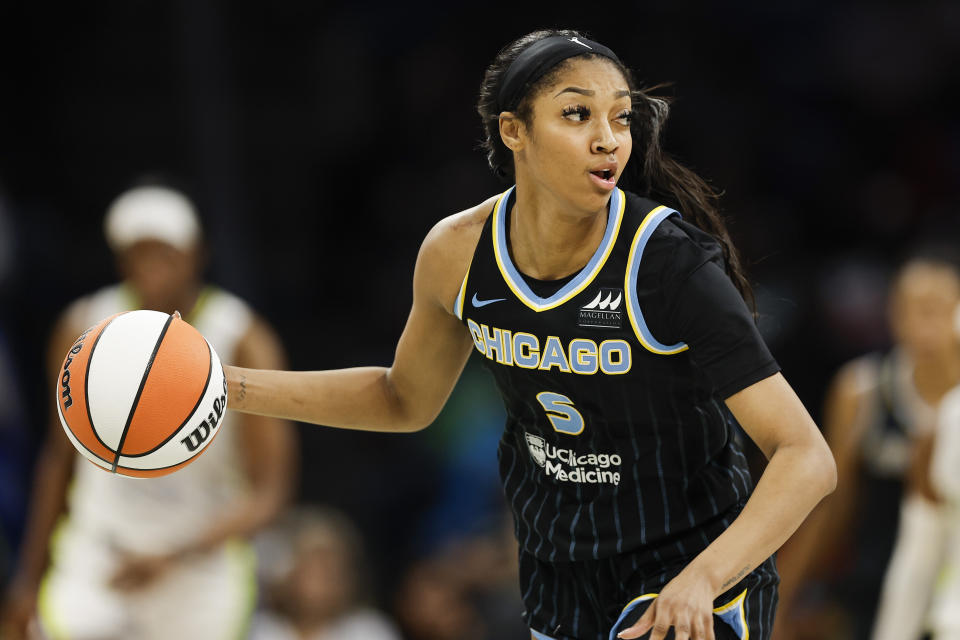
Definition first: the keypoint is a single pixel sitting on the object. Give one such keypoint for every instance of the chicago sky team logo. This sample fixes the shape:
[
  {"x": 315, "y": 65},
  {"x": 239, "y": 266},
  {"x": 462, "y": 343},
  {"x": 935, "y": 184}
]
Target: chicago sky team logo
[
  {"x": 536, "y": 448},
  {"x": 605, "y": 310}
]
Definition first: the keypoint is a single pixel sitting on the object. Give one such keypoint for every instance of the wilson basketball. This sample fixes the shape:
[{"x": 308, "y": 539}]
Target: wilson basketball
[{"x": 141, "y": 393}]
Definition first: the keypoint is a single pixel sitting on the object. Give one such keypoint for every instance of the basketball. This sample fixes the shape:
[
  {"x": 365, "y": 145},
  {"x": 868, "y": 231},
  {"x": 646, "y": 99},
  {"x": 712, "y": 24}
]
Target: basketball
[{"x": 141, "y": 393}]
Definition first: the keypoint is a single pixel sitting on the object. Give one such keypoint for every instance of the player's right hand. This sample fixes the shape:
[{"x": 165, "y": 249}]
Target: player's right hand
[{"x": 685, "y": 604}]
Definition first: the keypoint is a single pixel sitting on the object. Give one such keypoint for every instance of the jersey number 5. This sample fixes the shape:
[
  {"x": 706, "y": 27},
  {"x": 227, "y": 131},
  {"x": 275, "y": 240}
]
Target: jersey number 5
[{"x": 563, "y": 415}]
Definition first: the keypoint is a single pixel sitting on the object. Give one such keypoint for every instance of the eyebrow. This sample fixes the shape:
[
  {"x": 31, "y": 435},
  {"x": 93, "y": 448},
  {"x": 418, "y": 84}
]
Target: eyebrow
[{"x": 622, "y": 93}]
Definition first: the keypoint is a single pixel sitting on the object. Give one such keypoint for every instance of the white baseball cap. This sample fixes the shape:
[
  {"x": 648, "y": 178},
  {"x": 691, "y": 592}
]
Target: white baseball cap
[{"x": 152, "y": 213}]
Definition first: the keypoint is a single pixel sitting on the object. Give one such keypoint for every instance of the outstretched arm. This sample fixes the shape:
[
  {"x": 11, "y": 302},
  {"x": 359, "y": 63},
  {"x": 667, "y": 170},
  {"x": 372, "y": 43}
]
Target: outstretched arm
[
  {"x": 800, "y": 473},
  {"x": 409, "y": 394}
]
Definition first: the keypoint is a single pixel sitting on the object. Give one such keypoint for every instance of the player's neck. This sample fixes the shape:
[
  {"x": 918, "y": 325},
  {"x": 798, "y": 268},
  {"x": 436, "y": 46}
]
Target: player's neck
[{"x": 547, "y": 239}]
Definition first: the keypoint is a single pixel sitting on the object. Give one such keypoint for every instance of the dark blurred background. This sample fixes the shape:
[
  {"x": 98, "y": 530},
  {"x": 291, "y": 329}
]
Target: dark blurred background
[{"x": 321, "y": 141}]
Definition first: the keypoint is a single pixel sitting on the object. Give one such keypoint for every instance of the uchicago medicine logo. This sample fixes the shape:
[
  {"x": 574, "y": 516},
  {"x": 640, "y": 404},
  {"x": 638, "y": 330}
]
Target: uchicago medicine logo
[{"x": 566, "y": 465}]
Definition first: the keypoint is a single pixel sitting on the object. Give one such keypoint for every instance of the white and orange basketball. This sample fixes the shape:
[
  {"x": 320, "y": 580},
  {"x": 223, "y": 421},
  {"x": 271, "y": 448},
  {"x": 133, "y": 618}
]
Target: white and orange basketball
[{"x": 141, "y": 393}]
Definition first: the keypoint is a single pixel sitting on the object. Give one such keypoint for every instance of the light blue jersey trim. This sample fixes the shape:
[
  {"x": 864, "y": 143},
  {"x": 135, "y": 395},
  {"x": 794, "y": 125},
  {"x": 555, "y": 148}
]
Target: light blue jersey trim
[
  {"x": 644, "y": 231},
  {"x": 734, "y": 614},
  {"x": 518, "y": 285},
  {"x": 540, "y": 636}
]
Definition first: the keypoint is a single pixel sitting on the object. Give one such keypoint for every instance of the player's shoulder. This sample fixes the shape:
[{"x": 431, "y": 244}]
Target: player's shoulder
[
  {"x": 447, "y": 251},
  {"x": 460, "y": 231},
  {"x": 450, "y": 244}
]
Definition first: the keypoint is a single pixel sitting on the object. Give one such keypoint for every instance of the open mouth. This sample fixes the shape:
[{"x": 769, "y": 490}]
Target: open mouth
[{"x": 606, "y": 179}]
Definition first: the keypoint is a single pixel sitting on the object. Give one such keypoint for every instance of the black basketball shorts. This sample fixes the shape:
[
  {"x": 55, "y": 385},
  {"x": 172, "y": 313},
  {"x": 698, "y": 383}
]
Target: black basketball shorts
[{"x": 597, "y": 599}]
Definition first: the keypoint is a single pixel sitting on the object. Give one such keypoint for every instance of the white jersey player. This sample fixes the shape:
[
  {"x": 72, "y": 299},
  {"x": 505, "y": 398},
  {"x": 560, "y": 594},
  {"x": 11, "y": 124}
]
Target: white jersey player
[
  {"x": 921, "y": 589},
  {"x": 163, "y": 557}
]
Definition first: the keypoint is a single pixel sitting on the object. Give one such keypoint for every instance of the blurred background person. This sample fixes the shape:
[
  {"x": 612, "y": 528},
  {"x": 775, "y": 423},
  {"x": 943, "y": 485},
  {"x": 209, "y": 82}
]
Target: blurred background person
[
  {"x": 467, "y": 589},
  {"x": 921, "y": 588},
  {"x": 879, "y": 422},
  {"x": 317, "y": 583},
  {"x": 944, "y": 616},
  {"x": 162, "y": 558}
]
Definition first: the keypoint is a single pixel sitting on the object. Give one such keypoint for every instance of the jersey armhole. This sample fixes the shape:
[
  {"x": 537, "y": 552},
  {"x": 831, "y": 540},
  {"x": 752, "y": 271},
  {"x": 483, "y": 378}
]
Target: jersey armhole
[
  {"x": 458, "y": 303},
  {"x": 650, "y": 223}
]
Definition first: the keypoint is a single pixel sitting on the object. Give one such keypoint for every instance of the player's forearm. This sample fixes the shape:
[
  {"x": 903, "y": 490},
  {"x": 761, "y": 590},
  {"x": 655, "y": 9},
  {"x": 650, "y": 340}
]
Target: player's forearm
[
  {"x": 362, "y": 398},
  {"x": 794, "y": 482}
]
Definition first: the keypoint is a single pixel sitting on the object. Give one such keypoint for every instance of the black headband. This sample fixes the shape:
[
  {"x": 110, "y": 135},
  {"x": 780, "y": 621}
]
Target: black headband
[{"x": 537, "y": 59}]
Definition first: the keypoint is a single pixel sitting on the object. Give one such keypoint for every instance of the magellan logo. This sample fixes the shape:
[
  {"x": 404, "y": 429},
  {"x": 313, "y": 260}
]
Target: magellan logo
[
  {"x": 536, "y": 449},
  {"x": 603, "y": 311}
]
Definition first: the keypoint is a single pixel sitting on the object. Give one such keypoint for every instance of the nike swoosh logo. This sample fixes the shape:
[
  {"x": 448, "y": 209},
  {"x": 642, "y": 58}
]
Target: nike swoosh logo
[{"x": 477, "y": 302}]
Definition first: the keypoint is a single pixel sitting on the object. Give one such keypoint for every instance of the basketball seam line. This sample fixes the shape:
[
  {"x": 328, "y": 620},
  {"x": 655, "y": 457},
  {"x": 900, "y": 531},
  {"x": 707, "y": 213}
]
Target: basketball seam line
[
  {"x": 136, "y": 399},
  {"x": 76, "y": 441},
  {"x": 206, "y": 386},
  {"x": 86, "y": 386},
  {"x": 169, "y": 466}
]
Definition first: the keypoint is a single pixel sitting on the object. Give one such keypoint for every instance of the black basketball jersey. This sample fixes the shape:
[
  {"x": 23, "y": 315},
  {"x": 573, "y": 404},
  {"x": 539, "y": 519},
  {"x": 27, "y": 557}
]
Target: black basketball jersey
[{"x": 616, "y": 441}]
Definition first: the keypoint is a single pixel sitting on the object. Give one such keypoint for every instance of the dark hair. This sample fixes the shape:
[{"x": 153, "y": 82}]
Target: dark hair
[{"x": 650, "y": 171}]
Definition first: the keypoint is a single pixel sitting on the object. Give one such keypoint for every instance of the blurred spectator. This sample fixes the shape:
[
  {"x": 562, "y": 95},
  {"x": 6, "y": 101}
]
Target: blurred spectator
[
  {"x": 316, "y": 588},
  {"x": 159, "y": 558},
  {"x": 430, "y": 606},
  {"x": 466, "y": 591},
  {"x": 880, "y": 410},
  {"x": 921, "y": 589}
]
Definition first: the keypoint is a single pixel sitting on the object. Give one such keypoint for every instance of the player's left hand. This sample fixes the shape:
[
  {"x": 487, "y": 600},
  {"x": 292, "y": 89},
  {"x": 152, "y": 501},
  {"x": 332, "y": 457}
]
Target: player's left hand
[
  {"x": 685, "y": 604},
  {"x": 138, "y": 572}
]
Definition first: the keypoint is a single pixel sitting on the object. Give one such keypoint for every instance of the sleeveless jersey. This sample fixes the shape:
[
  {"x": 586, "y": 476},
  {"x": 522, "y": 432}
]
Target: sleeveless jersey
[
  {"x": 614, "y": 441},
  {"x": 156, "y": 515}
]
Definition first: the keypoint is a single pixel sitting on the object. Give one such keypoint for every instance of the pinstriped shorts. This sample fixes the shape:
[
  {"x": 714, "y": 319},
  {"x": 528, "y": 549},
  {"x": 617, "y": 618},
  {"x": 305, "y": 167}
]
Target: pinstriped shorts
[{"x": 596, "y": 599}]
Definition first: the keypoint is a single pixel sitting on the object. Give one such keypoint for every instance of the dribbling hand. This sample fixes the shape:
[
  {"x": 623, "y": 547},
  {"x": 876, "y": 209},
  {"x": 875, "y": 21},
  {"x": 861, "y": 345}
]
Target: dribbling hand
[{"x": 685, "y": 604}]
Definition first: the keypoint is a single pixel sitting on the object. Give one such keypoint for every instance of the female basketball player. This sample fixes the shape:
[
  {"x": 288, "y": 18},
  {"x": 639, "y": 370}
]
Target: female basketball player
[{"x": 616, "y": 331}]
